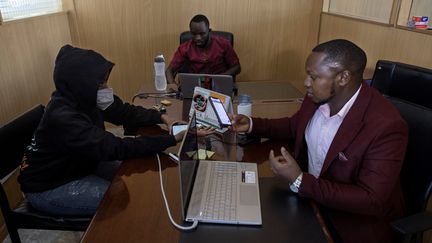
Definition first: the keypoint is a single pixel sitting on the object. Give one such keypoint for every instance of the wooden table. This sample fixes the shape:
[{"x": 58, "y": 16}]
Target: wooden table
[
  {"x": 133, "y": 209},
  {"x": 269, "y": 90},
  {"x": 271, "y": 99}
]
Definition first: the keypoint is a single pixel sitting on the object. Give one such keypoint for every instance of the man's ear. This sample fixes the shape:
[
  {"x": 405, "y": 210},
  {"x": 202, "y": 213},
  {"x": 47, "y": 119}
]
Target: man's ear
[{"x": 345, "y": 77}]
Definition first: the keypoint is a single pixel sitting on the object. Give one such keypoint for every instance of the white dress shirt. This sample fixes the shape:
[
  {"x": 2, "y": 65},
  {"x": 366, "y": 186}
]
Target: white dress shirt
[{"x": 320, "y": 132}]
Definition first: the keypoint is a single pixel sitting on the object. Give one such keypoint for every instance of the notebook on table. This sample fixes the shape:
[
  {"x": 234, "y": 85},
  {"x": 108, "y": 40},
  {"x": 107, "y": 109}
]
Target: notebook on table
[
  {"x": 216, "y": 82},
  {"x": 216, "y": 191}
]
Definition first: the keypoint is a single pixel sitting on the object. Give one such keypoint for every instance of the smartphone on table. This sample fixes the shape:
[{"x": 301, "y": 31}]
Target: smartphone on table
[
  {"x": 220, "y": 111},
  {"x": 176, "y": 128}
]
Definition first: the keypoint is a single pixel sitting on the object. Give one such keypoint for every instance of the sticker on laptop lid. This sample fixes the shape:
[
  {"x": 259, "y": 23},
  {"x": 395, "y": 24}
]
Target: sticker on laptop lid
[{"x": 248, "y": 177}]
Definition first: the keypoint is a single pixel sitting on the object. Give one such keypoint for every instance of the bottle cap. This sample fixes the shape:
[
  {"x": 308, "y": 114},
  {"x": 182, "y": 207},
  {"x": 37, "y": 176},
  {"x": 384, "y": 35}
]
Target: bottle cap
[
  {"x": 244, "y": 99},
  {"x": 159, "y": 58}
]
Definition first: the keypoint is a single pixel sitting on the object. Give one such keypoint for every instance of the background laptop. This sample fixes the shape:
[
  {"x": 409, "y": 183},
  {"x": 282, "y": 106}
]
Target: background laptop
[
  {"x": 217, "y": 191},
  {"x": 219, "y": 83}
]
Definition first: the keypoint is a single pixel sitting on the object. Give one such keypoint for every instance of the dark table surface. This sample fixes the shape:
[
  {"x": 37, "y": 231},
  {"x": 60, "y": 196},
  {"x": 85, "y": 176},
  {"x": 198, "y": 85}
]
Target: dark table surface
[
  {"x": 133, "y": 209},
  {"x": 286, "y": 218}
]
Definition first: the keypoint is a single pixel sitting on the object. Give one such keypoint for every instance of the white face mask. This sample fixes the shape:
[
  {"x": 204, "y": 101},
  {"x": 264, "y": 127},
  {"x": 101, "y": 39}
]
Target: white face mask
[{"x": 105, "y": 98}]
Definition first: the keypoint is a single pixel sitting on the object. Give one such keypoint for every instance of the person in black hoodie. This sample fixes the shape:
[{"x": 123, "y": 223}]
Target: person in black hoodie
[{"x": 62, "y": 171}]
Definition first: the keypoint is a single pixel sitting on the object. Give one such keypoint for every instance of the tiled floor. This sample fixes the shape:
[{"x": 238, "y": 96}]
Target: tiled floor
[{"x": 47, "y": 236}]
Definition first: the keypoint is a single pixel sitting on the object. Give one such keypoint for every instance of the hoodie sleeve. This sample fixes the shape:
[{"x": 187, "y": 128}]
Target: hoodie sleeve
[
  {"x": 125, "y": 114},
  {"x": 81, "y": 137}
]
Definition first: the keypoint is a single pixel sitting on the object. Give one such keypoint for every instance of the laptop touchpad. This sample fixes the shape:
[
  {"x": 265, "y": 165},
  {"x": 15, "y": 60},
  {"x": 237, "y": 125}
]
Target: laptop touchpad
[{"x": 248, "y": 195}]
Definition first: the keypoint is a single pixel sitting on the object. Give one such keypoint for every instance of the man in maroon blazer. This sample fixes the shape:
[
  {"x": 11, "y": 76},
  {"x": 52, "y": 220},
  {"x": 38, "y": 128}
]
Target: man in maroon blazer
[{"x": 349, "y": 143}]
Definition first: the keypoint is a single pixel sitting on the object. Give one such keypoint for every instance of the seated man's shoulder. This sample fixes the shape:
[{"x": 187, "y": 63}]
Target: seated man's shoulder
[
  {"x": 382, "y": 113},
  {"x": 382, "y": 105},
  {"x": 186, "y": 45}
]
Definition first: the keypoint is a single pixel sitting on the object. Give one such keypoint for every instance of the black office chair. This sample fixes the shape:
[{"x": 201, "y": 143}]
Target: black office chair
[
  {"x": 403, "y": 81},
  {"x": 14, "y": 137},
  {"x": 416, "y": 174},
  {"x": 408, "y": 87}
]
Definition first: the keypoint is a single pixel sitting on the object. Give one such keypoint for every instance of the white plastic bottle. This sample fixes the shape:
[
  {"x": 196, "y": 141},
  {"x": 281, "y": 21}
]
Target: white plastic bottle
[
  {"x": 159, "y": 69},
  {"x": 244, "y": 104}
]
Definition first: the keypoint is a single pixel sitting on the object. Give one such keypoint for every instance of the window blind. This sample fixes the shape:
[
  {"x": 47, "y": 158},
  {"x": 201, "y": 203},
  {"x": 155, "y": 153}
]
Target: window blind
[{"x": 17, "y": 9}]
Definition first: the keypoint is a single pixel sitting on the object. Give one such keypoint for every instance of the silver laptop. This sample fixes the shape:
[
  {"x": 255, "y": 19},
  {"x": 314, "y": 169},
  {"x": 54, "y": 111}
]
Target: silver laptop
[
  {"x": 216, "y": 82},
  {"x": 217, "y": 191}
]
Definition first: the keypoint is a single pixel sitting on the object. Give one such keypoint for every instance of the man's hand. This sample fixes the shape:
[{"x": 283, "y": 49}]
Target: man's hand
[
  {"x": 204, "y": 131},
  {"x": 284, "y": 165},
  {"x": 172, "y": 87},
  {"x": 169, "y": 74},
  {"x": 240, "y": 123},
  {"x": 179, "y": 136}
]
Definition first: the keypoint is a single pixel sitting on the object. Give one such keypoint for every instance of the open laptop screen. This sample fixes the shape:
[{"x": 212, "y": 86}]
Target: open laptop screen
[{"x": 188, "y": 162}]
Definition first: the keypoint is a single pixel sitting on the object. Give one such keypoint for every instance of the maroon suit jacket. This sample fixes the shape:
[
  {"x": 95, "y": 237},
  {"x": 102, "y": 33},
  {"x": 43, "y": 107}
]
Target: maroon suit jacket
[{"x": 359, "y": 185}]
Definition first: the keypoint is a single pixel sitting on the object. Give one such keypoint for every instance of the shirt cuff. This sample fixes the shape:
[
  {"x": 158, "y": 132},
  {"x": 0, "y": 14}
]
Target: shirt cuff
[{"x": 250, "y": 125}]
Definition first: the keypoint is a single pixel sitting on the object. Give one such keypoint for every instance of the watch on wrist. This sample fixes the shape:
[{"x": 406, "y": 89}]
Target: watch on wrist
[{"x": 295, "y": 186}]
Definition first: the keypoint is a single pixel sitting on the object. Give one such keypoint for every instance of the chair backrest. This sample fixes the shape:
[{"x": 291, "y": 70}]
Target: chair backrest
[
  {"x": 403, "y": 81},
  {"x": 14, "y": 138},
  {"x": 416, "y": 174},
  {"x": 186, "y": 35}
]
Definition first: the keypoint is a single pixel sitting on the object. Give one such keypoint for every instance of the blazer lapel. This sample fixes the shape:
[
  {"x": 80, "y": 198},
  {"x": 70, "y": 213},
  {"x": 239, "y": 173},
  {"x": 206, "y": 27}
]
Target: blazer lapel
[{"x": 351, "y": 125}]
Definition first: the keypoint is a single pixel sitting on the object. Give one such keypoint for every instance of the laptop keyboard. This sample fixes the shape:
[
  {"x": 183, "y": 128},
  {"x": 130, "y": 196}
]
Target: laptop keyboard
[{"x": 222, "y": 195}]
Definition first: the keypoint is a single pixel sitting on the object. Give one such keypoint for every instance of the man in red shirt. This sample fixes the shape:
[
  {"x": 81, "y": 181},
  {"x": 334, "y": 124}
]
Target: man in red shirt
[{"x": 204, "y": 53}]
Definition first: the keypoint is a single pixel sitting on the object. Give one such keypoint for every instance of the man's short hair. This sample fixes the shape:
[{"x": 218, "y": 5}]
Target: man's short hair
[
  {"x": 200, "y": 18},
  {"x": 345, "y": 53}
]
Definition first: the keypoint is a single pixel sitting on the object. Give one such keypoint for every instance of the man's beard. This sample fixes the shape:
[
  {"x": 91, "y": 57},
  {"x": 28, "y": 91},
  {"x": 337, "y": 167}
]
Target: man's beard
[
  {"x": 204, "y": 43},
  {"x": 332, "y": 93}
]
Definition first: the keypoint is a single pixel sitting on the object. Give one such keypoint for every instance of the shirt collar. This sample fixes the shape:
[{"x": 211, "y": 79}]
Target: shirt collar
[{"x": 325, "y": 108}]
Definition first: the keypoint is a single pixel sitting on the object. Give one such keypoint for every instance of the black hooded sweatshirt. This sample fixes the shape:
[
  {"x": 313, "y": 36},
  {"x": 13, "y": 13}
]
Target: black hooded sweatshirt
[{"x": 71, "y": 139}]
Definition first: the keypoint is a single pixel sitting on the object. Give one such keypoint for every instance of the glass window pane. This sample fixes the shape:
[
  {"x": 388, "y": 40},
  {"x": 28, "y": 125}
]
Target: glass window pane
[{"x": 16, "y": 9}]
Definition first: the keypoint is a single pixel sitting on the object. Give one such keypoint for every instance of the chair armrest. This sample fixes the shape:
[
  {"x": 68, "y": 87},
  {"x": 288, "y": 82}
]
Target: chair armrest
[{"x": 414, "y": 224}]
